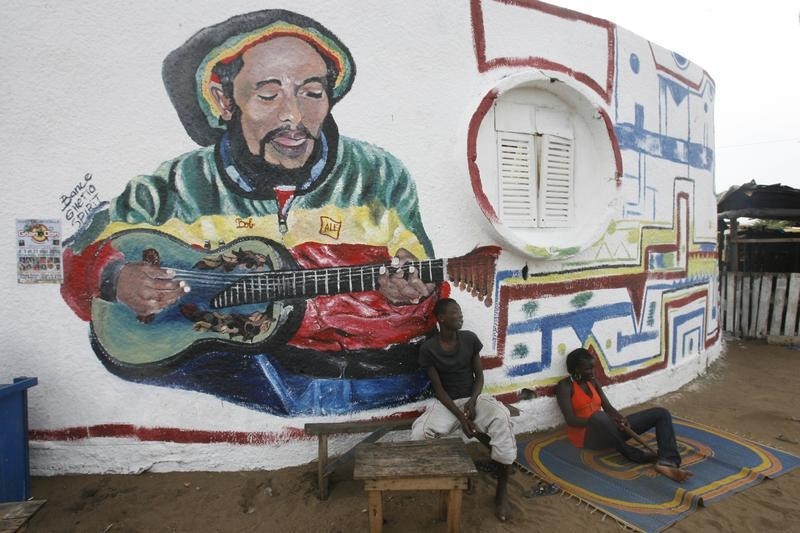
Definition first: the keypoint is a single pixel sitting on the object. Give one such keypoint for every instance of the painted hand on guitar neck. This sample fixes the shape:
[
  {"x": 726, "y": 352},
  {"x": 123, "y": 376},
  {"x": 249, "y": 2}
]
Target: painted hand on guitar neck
[{"x": 401, "y": 284}]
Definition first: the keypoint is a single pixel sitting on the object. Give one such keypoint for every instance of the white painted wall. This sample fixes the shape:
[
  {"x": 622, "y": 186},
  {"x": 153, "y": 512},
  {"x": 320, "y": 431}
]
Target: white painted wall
[{"x": 83, "y": 93}]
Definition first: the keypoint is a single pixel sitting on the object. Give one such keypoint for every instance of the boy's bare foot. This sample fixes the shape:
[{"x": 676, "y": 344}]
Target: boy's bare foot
[
  {"x": 502, "y": 509},
  {"x": 676, "y": 474}
]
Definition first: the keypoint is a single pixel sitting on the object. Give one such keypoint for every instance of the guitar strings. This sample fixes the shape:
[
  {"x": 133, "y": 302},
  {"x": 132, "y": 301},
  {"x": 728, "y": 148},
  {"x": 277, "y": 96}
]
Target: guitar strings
[
  {"x": 418, "y": 265},
  {"x": 276, "y": 283}
]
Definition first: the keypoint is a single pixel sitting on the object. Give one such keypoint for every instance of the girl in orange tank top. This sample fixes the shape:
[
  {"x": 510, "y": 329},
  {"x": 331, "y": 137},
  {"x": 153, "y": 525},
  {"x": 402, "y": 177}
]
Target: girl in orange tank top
[
  {"x": 593, "y": 423},
  {"x": 584, "y": 406}
]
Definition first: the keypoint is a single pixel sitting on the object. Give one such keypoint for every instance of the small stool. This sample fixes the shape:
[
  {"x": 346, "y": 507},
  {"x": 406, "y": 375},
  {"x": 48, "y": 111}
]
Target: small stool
[{"x": 439, "y": 464}]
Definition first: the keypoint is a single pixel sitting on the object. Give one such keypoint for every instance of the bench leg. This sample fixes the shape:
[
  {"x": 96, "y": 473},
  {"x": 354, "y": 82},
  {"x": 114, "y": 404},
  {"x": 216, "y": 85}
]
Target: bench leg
[
  {"x": 454, "y": 512},
  {"x": 375, "y": 511},
  {"x": 322, "y": 465}
]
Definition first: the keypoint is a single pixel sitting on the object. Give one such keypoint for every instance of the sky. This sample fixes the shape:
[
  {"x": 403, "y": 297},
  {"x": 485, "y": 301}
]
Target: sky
[{"x": 752, "y": 51}]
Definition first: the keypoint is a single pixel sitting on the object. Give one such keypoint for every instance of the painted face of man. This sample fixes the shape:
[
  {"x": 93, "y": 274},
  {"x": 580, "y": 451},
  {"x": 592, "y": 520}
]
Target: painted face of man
[{"x": 281, "y": 92}]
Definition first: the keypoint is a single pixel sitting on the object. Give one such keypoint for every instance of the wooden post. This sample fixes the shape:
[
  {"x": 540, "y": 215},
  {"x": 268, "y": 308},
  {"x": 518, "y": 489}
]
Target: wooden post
[
  {"x": 764, "y": 301},
  {"x": 790, "y": 324},
  {"x": 778, "y": 306},
  {"x": 754, "y": 295},
  {"x": 745, "y": 305},
  {"x": 322, "y": 465},
  {"x": 454, "y": 512},
  {"x": 444, "y": 497},
  {"x": 730, "y": 302},
  {"x": 739, "y": 291},
  {"x": 375, "y": 510},
  {"x": 733, "y": 251}
]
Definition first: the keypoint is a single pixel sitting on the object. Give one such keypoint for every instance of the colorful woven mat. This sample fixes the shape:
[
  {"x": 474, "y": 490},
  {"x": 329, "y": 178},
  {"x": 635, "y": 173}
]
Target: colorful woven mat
[{"x": 722, "y": 463}]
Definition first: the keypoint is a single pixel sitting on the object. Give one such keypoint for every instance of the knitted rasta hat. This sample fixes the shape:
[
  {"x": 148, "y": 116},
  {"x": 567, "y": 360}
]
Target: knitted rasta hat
[{"x": 189, "y": 69}]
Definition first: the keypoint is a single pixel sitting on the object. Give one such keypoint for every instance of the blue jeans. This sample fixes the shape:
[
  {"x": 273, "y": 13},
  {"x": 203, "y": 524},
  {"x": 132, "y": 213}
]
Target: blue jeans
[{"x": 602, "y": 432}]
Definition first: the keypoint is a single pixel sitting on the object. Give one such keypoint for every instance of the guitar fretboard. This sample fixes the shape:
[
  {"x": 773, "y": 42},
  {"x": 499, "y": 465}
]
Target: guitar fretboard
[{"x": 289, "y": 284}]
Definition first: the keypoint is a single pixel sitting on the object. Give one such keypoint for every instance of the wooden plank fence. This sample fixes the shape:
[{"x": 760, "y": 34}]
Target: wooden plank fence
[{"x": 755, "y": 305}]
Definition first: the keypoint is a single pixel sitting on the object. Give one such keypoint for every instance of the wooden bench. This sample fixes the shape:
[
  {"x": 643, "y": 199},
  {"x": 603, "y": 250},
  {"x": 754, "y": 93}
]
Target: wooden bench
[
  {"x": 439, "y": 464},
  {"x": 375, "y": 429}
]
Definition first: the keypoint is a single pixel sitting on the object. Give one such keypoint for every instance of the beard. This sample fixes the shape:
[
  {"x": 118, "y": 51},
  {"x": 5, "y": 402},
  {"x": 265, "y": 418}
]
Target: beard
[{"x": 260, "y": 174}]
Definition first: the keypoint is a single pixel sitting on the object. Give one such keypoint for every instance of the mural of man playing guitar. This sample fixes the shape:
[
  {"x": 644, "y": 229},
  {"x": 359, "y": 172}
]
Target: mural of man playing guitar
[{"x": 282, "y": 314}]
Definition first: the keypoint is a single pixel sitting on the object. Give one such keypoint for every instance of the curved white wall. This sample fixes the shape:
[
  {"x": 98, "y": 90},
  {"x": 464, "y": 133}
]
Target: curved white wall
[{"x": 636, "y": 284}]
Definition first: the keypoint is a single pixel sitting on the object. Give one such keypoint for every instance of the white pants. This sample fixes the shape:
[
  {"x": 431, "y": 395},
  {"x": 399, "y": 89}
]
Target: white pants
[{"x": 491, "y": 417}]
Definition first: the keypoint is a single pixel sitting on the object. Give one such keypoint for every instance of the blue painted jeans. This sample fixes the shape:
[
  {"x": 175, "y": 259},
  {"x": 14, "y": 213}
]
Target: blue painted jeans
[{"x": 602, "y": 432}]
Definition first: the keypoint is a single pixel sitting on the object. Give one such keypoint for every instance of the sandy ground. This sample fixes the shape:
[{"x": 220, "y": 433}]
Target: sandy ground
[{"x": 752, "y": 389}]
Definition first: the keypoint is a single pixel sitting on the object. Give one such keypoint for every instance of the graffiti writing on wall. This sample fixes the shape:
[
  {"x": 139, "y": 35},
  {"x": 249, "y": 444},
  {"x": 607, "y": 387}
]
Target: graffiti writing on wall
[{"x": 78, "y": 203}]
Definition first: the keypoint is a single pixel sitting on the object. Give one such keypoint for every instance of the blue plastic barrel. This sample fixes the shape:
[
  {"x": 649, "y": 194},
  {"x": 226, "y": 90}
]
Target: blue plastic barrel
[{"x": 15, "y": 479}]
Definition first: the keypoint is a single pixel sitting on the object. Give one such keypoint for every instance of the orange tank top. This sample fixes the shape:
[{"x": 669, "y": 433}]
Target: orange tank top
[{"x": 584, "y": 406}]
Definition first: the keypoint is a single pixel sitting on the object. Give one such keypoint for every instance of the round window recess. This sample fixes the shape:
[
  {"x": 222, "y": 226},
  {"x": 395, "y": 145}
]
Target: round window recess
[{"x": 546, "y": 167}]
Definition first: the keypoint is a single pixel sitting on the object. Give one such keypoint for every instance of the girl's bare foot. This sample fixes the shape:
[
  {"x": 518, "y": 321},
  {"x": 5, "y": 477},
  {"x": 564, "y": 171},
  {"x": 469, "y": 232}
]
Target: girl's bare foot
[{"x": 676, "y": 474}]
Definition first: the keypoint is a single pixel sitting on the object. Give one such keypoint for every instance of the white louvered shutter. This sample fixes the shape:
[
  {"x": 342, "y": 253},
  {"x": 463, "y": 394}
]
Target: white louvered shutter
[
  {"x": 517, "y": 171},
  {"x": 556, "y": 185}
]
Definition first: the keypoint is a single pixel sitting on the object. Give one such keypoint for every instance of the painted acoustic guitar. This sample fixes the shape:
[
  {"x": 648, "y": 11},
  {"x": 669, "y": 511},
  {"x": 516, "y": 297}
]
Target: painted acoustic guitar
[{"x": 246, "y": 295}]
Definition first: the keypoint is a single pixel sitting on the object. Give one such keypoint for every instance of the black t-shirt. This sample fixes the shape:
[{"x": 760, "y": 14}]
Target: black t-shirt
[{"x": 455, "y": 368}]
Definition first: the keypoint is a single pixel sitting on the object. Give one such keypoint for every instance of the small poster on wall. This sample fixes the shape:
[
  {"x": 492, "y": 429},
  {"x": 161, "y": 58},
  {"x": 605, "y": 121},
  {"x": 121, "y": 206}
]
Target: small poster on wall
[{"x": 39, "y": 251}]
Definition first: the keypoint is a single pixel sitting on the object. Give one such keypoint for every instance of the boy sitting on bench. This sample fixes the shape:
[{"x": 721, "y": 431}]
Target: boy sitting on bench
[{"x": 452, "y": 360}]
